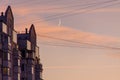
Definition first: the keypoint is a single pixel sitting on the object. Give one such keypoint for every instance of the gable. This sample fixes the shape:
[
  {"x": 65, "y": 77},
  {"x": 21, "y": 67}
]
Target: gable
[
  {"x": 9, "y": 17},
  {"x": 9, "y": 20},
  {"x": 32, "y": 34}
]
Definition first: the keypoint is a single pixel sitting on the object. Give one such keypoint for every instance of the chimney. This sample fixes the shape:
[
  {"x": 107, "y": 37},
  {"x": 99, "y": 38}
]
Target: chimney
[{"x": 26, "y": 30}]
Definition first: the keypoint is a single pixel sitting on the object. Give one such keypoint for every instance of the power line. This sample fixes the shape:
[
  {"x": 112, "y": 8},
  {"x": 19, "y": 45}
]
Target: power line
[
  {"x": 63, "y": 45},
  {"x": 38, "y": 1},
  {"x": 66, "y": 6},
  {"x": 78, "y": 42},
  {"x": 72, "y": 12},
  {"x": 76, "y": 5},
  {"x": 84, "y": 6},
  {"x": 73, "y": 46}
]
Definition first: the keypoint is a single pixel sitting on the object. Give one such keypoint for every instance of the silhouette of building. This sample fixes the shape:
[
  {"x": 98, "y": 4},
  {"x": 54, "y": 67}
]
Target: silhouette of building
[{"x": 19, "y": 53}]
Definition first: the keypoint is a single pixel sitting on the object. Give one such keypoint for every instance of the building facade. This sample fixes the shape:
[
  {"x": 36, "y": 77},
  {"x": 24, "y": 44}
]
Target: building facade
[{"x": 19, "y": 53}]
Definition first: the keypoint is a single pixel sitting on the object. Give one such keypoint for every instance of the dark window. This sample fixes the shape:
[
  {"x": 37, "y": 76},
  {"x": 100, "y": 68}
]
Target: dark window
[
  {"x": 6, "y": 71},
  {"x": 4, "y": 38},
  {"x": 19, "y": 38},
  {"x": 23, "y": 78},
  {"x": 23, "y": 53},
  {"x": 22, "y": 67},
  {"x": 9, "y": 42},
  {"x": 6, "y": 56},
  {"x": 0, "y": 38}
]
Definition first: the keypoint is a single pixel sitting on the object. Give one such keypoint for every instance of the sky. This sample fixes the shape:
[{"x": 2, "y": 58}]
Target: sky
[{"x": 78, "y": 39}]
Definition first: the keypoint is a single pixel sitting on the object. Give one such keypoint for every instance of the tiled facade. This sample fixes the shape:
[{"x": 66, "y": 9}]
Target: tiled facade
[{"x": 19, "y": 53}]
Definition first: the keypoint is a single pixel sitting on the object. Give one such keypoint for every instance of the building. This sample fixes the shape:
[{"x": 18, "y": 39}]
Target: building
[{"x": 19, "y": 53}]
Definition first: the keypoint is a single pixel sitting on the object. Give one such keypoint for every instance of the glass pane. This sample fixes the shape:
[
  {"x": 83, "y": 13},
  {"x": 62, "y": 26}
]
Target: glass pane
[
  {"x": 28, "y": 45},
  {"x": 8, "y": 56},
  {"x": 32, "y": 70},
  {"x": 9, "y": 43},
  {"x": 37, "y": 52},
  {"x": 18, "y": 76},
  {"x": 18, "y": 62},
  {"x": 4, "y": 56},
  {"x": 4, "y": 28},
  {"x": 6, "y": 71},
  {"x": 14, "y": 36}
]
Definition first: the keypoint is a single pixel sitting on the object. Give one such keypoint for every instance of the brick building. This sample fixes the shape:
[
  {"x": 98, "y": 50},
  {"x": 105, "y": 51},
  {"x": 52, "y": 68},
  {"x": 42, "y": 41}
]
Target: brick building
[{"x": 19, "y": 53}]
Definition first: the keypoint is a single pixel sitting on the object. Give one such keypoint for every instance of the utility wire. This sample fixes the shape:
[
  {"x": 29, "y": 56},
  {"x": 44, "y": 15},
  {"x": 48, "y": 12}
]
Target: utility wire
[
  {"x": 38, "y": 1},
  {"x": 83, "y": 8},
  {"x": 77, "y": 5},
  {"x": 73, "y": 46},
  {"x": 78, "y": 42},
  {"x": 65, "y": 45},
  {"x": 73, "y": 12},
  {"x": 51, "y": 4}
]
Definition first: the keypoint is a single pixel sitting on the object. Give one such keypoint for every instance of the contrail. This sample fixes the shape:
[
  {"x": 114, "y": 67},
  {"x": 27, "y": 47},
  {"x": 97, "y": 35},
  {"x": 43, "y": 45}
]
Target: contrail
[{"x": 59, "y": 23}]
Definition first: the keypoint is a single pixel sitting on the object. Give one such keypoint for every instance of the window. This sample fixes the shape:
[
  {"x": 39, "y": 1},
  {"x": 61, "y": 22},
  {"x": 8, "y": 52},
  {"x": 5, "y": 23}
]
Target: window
[
  {"x": 32, "y": 70},
  {"x": 18, "y": 76},
  {"x": 0, "y": 38},
  {"x": 28, "y": 45},
  {"x": 14, "y": 36},
  {"x": 9, "y": 43},
  {"x": 18, "y": 62},
  {"x": 5, "y": 39},
  {"x": 37, "y": 51},
  {"x": 9, "y": 31},
  {"x": 23, "y": 78},
  {"x": 6, "y": 71},
  {"x": 6, "y": 56},
  {"x": 22, "y": 67},
  {"x": 4, "y": 28},
  {"x": 23, "y": 53}
]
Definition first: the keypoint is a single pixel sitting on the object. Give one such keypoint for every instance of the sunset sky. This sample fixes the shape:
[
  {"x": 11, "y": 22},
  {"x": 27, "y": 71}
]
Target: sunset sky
[{"x": 78, "y": 39}]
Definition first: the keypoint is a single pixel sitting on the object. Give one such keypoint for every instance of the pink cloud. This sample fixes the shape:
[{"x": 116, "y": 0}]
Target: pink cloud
[
  {"x": 44, "y": 29},
  {"x": 63, "y": 32}
]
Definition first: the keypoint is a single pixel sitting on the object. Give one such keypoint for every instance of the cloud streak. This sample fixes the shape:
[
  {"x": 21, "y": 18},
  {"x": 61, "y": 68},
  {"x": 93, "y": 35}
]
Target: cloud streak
[
  {"x": 62, "y": 32},
  {"x": 67, "y": 33}
]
